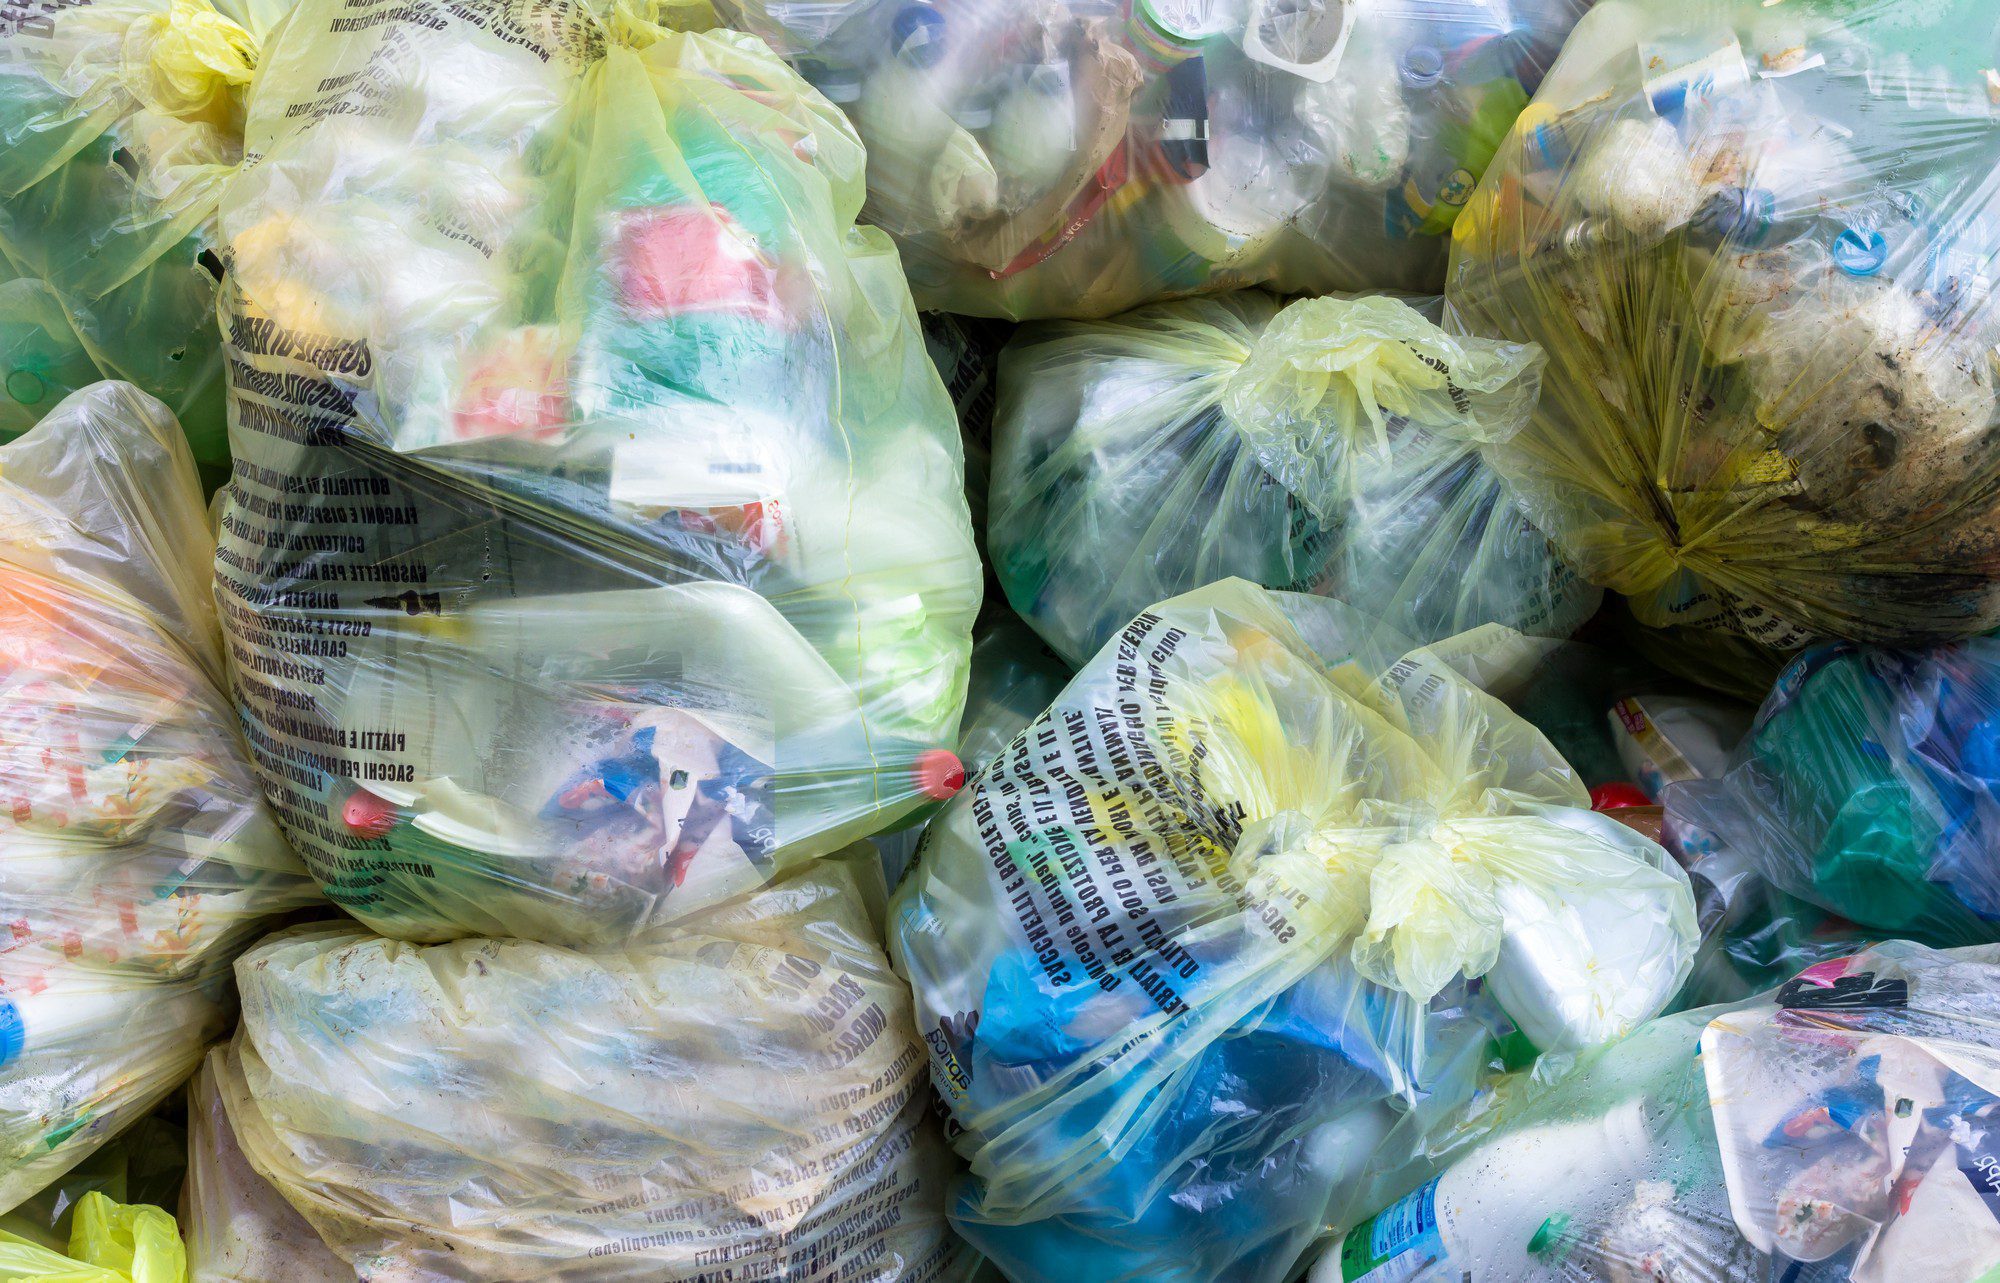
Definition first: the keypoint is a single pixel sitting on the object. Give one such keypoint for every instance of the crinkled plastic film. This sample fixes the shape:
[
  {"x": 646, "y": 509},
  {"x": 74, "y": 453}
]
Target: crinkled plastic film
[
  {"x": 1328, "y": 446},
  {"x": 119, "y": 122},
  {"x": 1838, "y": 1126},
  {"x": 1196, "y": 941},
  {"x": 745, "y": 1095},
  {"x": 111, "y": 1243},
  {"x": 1871, "y": 786},
  {"x": 1757, "y": 244},
  {"x": 1068, "y": 158},
  {"x": 596, "y": 550},
  {"x": 139, "y": 856}
]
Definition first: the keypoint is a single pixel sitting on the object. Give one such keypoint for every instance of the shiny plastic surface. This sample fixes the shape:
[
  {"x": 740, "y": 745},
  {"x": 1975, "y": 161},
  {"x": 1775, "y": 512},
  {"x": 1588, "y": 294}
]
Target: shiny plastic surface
[
  {"x": 1328, "y": 446},
  {"x": 596, "y": 549},
  {"x": 1757, "y": 243},
  {"x": 1838, "y": 1130},
  {"x": 1871, "y": 785},
  {"x": 748, "y": 1094},
  {"x": 1203, "y": 933},
  {"x": 1075, "y": 158},
  {"x": 119, "y": 122},
  {"x": 138, "y": 856}
]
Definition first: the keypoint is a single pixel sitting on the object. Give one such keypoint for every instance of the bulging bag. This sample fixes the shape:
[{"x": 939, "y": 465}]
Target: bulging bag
[
  {"x": 1871, "y": 785},
  {"x": 745, "y": 1098},
  {"x": 1837, "y": 1128},
  {"x": 119, "y": 122},
  {"x": 138, "y": 856},
  {"x": 1756, "y": 242},
  {"x": 596, "y": 549},
  {"x": 1256, "y": 886},
  {"x": 1327, "y": 446},
  {"x": 1072, "y": 158}
]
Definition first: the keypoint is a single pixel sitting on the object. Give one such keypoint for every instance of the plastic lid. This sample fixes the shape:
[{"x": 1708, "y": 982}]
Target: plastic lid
[
  {"x": 13, "y": 1033},
  {"x": 1860, "y": 251},
  {"x": 939, "y": 773},
  {"x": 25, "y": 386},
  {"x": 1616, "y": 796},
  {"x": 1422, "y": 66},
  {"x": 1549, "y": 1234},
  {"x": 839, "y": 84},
  {"x": 368, "y": 815},
  {"x": 917, "y": 35}
]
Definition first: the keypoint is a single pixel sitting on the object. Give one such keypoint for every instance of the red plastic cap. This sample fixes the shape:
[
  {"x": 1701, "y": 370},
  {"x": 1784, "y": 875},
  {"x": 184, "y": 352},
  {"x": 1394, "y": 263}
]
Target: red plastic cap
[
  {"x": 939, "y": 773},
  {"x": 368, "y": 815},
  {"x": 1616, "y": 797}
]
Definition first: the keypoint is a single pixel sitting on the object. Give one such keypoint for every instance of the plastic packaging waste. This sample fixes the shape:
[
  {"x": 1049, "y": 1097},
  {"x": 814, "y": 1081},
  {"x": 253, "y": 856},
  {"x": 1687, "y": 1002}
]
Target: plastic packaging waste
[
  {"x": 596, "y": 549},
  {"x": 138, "y": 856},
  {"x": 119, "y": 122},
  {"x": 1210, "y": 926},
  {"x": 147, "y": 1163},
  {"x": 1756, "y": 242},
  {"x": 1840, "y": 1129},
  {"x": 110, "y": 1243},
  {"x": 1077, "y": 158},
  {"x": 747, "y": 1095},
  {"x": 239, "y": 1228},
  {"x": 1327, "y": 446},
  {"x": 1014, "y": 676},
  {"x": 1871, "y": 786}
]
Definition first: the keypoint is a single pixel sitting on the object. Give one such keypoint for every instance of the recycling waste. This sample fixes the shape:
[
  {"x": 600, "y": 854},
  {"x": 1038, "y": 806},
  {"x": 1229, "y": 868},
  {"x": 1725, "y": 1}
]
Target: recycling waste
[
  {"x": 1871, "y": 786},
  {"x": 1259, "y": 884},
  {"x": 743, "y": 1099},
  {"x": 120, "y": 120},
  {"x": 110, "y": 1243},
  {"x": 137, "y": 856},
  {"x": 596, "y": 550},
  {"x": 1838, "y": 1129},
  {"x": 1756, "y": 242},
  {"x": 1075, "y": 158},
  {"x": 1330, "y": 445}
]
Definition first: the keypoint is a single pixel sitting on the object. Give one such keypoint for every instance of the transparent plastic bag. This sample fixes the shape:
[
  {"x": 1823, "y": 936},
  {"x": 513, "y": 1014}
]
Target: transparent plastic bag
[
  {"x": 240, "y": 1229},
  {"x": 1871, "y": 786},
  {"x": 597, "y": 548},
  {"x": 1208, "y": 927},
  {"x": 138, "y": 854},
  {"x": 1072, "y": 158},
  {"x": 746, "y": 1095},
  {"x": 1837, "y": 1130},
  {"x": 1327, "y": 446},
  {"x": 1756, "y": 242},
  {"x": 119, "y": 122}
]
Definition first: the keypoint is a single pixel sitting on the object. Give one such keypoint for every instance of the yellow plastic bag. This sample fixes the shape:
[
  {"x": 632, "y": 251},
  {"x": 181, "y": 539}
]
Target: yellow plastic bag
[
  {"x": 110, "y": 1242},
  {"x": 1757, "y": 242}
]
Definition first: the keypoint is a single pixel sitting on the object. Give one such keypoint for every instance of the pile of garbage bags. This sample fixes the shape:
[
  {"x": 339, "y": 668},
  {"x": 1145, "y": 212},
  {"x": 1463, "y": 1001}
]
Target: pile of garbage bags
[
  {"x": 1211, "y": 924},
  {"x": 1330, "y": 445},
  {"x": 137, "y": 856},
  {"x": 1840, "y": 1127},
  {"x": 1081, "y": 157},
  {"x": 1401, "y": 685},
  {"x": 1755, "y": 242},
  {"x": 596, "y": 550}
]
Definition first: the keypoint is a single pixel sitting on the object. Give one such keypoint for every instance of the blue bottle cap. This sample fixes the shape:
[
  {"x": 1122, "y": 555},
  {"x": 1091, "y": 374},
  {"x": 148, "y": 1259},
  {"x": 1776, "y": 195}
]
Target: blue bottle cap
[
  {"x": 1422, "y": 66},
  {"x": 1860, "y": 251},
  {"x": 13, "y": 1033},
  {"x": 916, "y": 35}
]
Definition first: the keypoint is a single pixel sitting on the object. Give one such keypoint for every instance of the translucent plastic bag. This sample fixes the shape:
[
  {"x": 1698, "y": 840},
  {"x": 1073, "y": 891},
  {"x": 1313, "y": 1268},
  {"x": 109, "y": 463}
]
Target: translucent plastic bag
[
  {"x": 1076, "y": 158},
  {"x": 119, "y": 121},
  {"x": 1756, "y": 242},
  {"x": 1329, "y": 446},
  {"x": 1839, "y": 1129},
  {"x": 1871, "y": 785},
  {"x": 111, "y": 1243},
  {"x": 1204, "y": 932},
  {"x": 745, "y": 1099},
  {"x": 596, "y": 549},
  {"x": 137, "y": 853}
]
